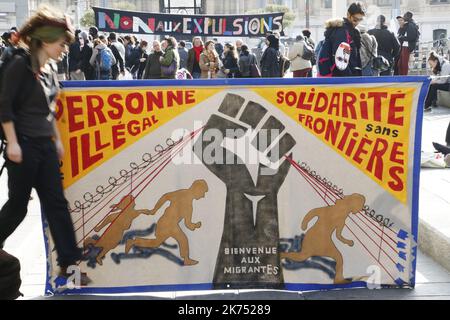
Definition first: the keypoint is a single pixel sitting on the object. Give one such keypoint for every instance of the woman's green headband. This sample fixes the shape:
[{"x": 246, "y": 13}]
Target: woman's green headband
[{"x": 48, "y": 34}]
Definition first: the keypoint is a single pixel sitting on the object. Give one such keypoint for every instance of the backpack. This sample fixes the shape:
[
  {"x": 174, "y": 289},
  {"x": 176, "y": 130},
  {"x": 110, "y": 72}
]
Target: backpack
[
  {"x": 417, "y": 31},
  {"x": 284, "y": 64},
  {"x": 104, "y": 60},
  {"x": 325, "y": 59},
  {"x": 308, "y": 51},
  {"x": 9, "y": 276}
]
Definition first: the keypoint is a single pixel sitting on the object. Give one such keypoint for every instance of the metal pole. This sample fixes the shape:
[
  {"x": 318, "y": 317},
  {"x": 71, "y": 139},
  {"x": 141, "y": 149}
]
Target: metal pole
[
  {"x": 307, "y": 13},
  {"x": 395, "y": 8}
]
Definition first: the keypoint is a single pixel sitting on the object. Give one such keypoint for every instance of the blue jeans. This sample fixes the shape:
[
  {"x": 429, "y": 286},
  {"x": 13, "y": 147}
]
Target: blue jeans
[
  {"x": 367, "y": 71},
  {"x": 196, "y": 75}
]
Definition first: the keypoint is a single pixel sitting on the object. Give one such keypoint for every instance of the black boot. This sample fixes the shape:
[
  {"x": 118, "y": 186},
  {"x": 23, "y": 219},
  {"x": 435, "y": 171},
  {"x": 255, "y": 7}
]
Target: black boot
[
  {"x": 447, "y": 136},
  {"x": 441, "y": 148}
]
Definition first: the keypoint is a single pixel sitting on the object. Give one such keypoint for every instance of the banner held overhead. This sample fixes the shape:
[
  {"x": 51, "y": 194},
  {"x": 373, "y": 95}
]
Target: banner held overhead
[{"x": 111, "y": 20}]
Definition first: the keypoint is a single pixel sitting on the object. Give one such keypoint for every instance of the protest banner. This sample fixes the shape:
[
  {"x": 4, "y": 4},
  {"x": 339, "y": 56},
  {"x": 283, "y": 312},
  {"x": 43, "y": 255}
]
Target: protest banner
[
  {"x": 296, "y": 184},
  {"x": 148, "y": 23}
]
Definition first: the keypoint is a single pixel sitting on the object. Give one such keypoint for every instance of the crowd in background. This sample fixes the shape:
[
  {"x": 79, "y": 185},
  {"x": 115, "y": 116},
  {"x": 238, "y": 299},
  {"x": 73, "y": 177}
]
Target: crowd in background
[{"x": 347, "y": 49}]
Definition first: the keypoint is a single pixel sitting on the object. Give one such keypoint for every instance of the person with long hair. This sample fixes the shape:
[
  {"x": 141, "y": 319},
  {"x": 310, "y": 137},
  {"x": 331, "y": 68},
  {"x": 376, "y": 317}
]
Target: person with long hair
[
  {"x": 209, "y": 61},
  {"x": 34, "y": 147},
  {"x": 230, "y": 61},
  {"x": 440, "y": 68}
]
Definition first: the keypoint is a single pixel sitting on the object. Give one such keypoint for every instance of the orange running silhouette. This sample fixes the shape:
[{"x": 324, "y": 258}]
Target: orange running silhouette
[
  {"x": 168, "y": 225},
  {"x": 318, "y": 239},
  {"x": 120, "y": 221}
]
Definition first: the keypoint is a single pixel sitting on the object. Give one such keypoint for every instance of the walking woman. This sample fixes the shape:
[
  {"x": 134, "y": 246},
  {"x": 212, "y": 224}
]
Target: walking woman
[{"x": 34, "y": 146}]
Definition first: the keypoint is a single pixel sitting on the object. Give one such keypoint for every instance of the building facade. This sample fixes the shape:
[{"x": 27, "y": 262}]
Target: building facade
[{"x": 431, "y": 15}]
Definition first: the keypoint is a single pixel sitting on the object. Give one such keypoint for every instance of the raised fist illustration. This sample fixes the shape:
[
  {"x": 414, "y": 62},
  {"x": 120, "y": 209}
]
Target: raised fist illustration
[{"x": 245, "y": 147}]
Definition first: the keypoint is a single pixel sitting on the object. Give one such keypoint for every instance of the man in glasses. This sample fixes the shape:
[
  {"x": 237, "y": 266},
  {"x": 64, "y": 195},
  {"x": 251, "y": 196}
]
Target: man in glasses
[{"x": 339, "y": 55}]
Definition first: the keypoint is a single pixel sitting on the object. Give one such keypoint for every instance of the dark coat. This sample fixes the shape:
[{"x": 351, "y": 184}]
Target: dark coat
[
  {"x": 388, "y": 45},
  {"x": 270, "y": 67},
  {"x": 153, "y": 66},
  {"x": 409, "y": 34},
  {"x": 86, "y": 67},
  {"x": 230, "y": 62},
  {"x": 75, "y": 58},
  {"x": 192, "y": 64},
  {"x": 338, "y": 31}
]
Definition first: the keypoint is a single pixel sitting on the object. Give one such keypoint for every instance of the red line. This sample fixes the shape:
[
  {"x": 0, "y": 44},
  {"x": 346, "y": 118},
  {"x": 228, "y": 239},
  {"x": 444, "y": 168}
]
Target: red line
[
  {"x": 362, "y": 214},
  {"x": 310, "y": 180},
  {"x": 381, "y": 243},
  {"x": 371, "y": 254},
  {"x": 314, "y": 187},
  {"x": 372, "y": 240},
  {"x": 375, "y": 223},
  {"x": 118, "y": 191},
  {"x": 301, "y": 171},
  {"x": 192, "y": 135},
  {"x": 161, "y": 155},
  {"x": 82, "y": 215}
]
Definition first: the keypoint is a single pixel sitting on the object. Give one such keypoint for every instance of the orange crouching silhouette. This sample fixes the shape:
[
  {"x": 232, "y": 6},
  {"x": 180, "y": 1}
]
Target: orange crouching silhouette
[
  {"x": 120, "y": 220},
  {"x": 318, "y": 239},
  {"x": 168, "y": 225}
]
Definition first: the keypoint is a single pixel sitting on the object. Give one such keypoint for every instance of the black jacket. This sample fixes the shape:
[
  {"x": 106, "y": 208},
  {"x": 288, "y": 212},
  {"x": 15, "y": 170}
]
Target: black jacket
[
  {"x": 75, "y": 58},
  {"x": 86, "y": 67},
  {"x": 230, "y": 62},
  {"x": 388, "y": 45},
  {"x": 153, "y": 66},
  {"x": 270, "y": 67},
  {"x": 120, "y": 64},
  {"x": 336, "y": 32},
  {"x": 29, "y": 112},
  {"x": 408, "y": 33}
]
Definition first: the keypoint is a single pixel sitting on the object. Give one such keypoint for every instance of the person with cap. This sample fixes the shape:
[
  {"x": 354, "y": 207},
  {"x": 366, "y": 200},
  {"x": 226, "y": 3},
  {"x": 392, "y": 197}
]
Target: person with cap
[
  {"x": 407, "y": 36},
  {"x": 11, "y": 40},
  {"x": 34, "y": 149},
  {"x": 388, "y": 45}
]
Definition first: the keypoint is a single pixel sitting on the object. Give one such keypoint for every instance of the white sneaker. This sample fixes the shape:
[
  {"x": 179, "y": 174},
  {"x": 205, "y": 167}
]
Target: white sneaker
[{"x": 447, "y": 160}]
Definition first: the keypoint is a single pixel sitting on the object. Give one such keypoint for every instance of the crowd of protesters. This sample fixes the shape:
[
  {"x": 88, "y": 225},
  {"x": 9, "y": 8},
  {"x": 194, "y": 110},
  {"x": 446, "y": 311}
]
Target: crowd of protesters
[{"x": 349, "y": 48}]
